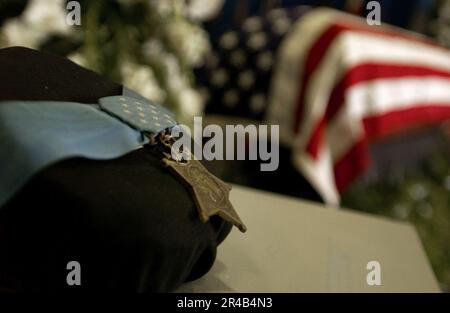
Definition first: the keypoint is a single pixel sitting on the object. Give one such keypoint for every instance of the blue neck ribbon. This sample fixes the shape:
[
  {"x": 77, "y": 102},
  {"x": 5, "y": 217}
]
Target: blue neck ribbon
[{"x": 37, "y": 134}]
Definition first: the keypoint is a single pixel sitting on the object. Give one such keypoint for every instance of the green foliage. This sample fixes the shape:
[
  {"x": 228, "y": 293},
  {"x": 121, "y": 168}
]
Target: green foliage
[
  {"x": 150, "y": 46},
  {"x": 422, "y": 198}
]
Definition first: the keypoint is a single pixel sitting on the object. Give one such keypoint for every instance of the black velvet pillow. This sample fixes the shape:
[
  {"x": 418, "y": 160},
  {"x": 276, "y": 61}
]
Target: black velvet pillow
[{"x": 128, "y": 222}]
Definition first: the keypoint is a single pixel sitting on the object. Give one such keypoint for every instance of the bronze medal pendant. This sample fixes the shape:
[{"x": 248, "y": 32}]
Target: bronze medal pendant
[{"x": 210, "y": 193}]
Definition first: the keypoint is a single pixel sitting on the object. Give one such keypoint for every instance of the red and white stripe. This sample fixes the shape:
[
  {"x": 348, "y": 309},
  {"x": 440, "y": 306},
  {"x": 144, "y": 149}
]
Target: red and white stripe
[{"x": 340, "y": 83}]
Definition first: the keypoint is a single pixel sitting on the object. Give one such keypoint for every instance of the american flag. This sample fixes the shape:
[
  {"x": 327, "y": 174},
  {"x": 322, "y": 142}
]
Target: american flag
[
  {"x": 338, "y": 84},
  {"x": 236, "y": 77}
]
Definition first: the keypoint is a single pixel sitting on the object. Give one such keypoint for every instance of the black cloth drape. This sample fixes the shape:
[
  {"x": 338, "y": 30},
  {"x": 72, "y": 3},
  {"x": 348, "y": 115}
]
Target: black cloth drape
[{"x": 128, "y": 222}]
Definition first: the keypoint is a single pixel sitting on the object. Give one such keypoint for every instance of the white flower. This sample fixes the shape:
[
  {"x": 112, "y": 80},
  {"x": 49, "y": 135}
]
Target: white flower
[
  {"x": 153, "y": 50},
  {"x": 190, "y": 41},
  {"x": 78, "y": 58},
  {"x": 40, "y": 19},
  {"x": 47, "y": 15},
  {"x": 189, "y": 101},
  {"x": 203, "y": 10},
  {"x": 17, "y": 33},
  {"x": 166, "y": 8},
  {"x": 141, "y": 79},
  {"x": 190, "y": 104}
]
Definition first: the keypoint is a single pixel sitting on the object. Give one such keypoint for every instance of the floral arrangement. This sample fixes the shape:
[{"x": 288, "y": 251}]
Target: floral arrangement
[{"x": 150, "y": 46}]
